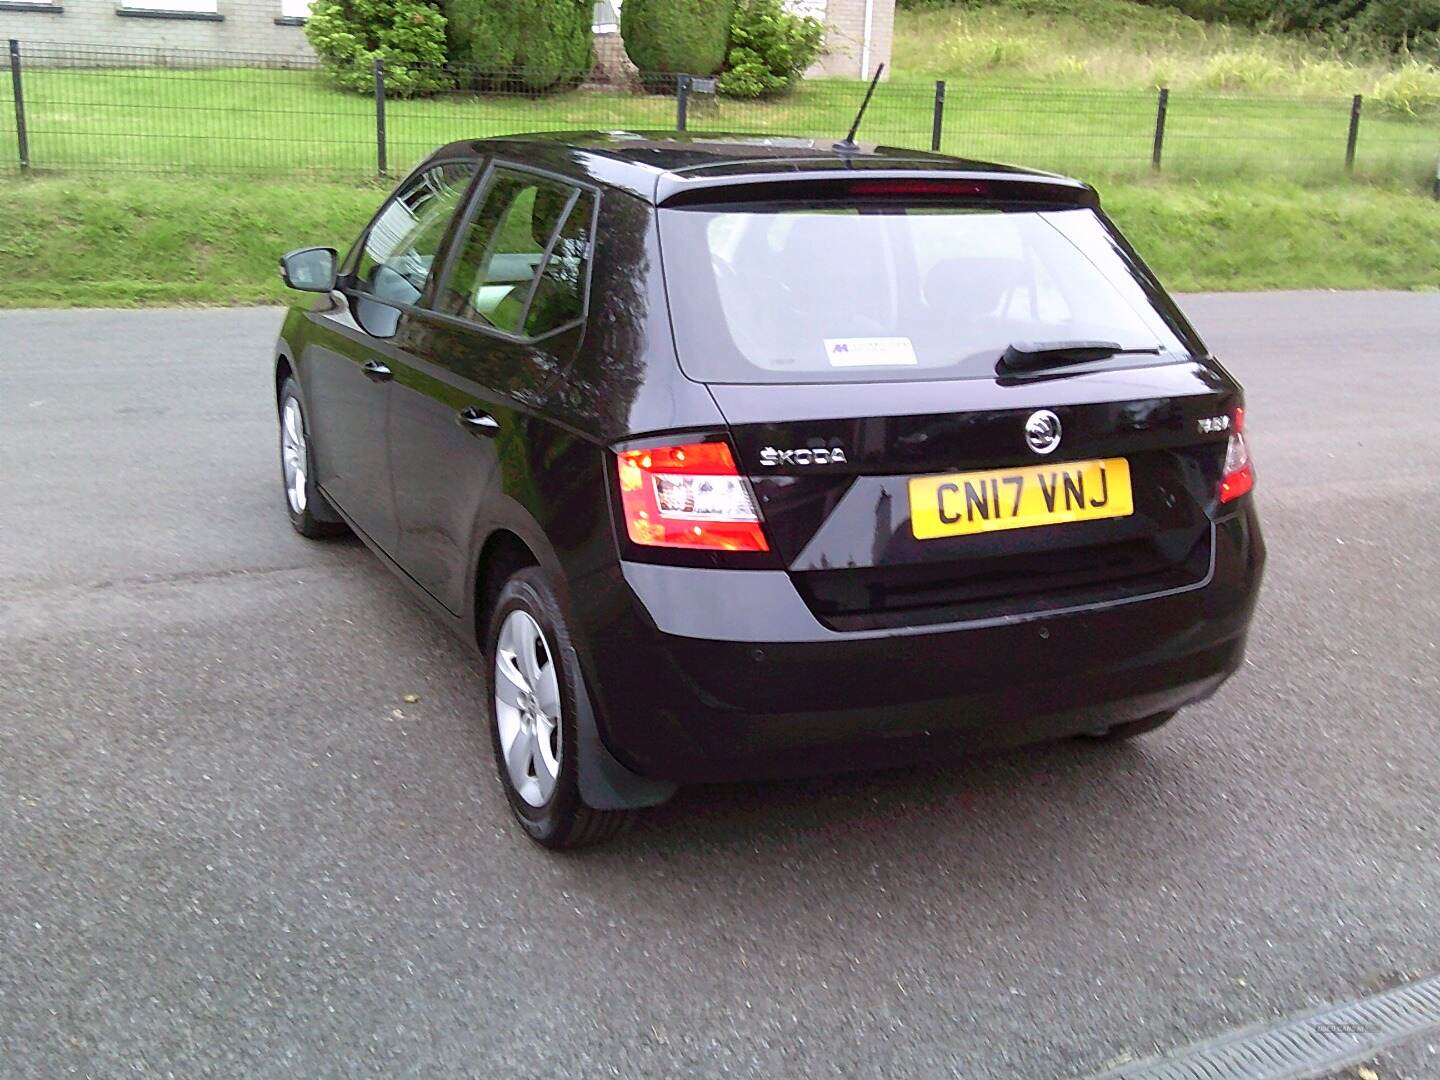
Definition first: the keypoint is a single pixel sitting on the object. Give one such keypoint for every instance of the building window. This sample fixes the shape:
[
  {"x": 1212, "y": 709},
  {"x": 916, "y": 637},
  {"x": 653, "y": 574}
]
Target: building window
[
  {"x": 189, "y": 7},
  {"x": 295, "y": 9}
]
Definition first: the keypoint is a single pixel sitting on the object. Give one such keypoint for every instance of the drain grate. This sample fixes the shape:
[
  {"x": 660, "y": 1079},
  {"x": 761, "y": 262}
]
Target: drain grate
[{"x": 1304, "y": 1047}]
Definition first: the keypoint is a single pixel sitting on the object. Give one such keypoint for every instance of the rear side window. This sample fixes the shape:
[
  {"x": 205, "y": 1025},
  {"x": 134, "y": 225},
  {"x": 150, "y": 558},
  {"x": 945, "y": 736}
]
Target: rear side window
[
  {"x": 879, "y": 292},
  {"x": 520, "y": 265}
]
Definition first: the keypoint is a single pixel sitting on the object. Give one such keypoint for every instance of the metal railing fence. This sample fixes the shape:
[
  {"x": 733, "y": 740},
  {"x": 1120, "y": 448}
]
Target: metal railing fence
[{"x": 72, "y": 108}]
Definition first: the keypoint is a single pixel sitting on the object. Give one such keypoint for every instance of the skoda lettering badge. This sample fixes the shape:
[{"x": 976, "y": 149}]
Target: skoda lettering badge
[
  {"x": 804, "y": 456},
  {"x": 1042, "y": 431}
]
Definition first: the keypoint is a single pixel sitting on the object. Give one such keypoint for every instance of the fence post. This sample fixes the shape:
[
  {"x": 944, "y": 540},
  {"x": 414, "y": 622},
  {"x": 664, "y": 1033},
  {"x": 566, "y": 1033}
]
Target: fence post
[
  {"x": 939, "y": 120},
  {"x": 682, "y": 100},
  {"x": 1354, "y": 134},
  {"x": 380, "y": 162},
  {"x": 1162, "y": 106},
  {"x": 22, "y": 137}
]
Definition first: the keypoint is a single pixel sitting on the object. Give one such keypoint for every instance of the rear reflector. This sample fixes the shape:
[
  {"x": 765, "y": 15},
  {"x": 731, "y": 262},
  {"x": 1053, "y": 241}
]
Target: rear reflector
[
  {"x": 1238, "y": 476},
  {"x": 689, "y": 496}
]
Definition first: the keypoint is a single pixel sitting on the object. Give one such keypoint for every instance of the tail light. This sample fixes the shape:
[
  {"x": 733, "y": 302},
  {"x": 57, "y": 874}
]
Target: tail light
[
  {"x": 1238, "y": 476},
  {"x": 689, "y": 496}
]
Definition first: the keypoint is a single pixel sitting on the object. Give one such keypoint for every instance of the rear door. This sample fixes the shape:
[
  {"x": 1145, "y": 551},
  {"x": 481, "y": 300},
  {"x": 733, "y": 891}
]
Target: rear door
[
  {"x": 351, "y": 356},
  {"x": 469, "y": 389},
  {"x": 903, "y": 474}
]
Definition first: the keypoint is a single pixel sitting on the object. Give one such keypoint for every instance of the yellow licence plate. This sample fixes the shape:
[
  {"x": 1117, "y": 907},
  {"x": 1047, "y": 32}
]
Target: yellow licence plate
[{"x": 1019, "y": 498}]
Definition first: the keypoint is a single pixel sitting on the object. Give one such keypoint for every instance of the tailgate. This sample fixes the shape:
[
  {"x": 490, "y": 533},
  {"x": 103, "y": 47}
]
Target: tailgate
[{"x": 832, "y": 465}]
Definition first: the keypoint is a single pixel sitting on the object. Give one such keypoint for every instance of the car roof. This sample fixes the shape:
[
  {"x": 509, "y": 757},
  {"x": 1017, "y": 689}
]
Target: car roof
[{"x": 658, "y": 165}]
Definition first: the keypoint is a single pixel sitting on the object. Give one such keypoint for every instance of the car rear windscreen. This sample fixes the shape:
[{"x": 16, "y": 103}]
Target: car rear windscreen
[{"x": 866, "y": 293}]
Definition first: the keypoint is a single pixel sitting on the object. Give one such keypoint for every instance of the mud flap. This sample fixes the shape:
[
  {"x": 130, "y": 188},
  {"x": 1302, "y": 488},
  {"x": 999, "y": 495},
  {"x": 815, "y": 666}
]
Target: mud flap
[{"x": 605, "y": 784}]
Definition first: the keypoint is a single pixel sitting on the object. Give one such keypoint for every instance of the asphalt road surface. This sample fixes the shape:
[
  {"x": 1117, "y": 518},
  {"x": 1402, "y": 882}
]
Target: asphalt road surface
[{"x": 228, "y": 846}]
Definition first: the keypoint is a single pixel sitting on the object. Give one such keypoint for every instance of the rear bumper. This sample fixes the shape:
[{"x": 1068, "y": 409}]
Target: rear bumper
[{"x": 715, "y": 674}]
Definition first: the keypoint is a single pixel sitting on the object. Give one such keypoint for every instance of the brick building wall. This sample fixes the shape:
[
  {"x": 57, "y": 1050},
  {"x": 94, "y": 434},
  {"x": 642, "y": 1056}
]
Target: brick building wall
[{"x": 243, "y": 26}]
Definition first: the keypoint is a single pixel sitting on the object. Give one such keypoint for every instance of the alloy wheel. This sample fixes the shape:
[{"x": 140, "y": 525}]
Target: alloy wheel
[
  {"x": 292, "y": 453},
  {"x": 527, "y": 708}
]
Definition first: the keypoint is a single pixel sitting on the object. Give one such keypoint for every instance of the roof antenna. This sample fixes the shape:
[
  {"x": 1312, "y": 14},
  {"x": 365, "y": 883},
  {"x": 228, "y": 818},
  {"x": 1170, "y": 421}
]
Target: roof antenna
[{"x": 848, "y": 143}]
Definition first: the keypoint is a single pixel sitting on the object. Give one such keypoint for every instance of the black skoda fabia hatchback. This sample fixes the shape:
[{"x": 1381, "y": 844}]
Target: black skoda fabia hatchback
[{"x": 740, "y": 456}]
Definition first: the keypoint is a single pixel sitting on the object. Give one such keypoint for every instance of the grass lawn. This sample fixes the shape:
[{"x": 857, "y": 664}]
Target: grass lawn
[
  {"x": 136, "y": 241},
  {"x": 168, "y": 185}
]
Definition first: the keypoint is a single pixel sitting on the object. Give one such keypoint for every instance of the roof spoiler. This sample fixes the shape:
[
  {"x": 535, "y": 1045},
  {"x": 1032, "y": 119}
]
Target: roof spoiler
[{"x": 910, "y": 187}]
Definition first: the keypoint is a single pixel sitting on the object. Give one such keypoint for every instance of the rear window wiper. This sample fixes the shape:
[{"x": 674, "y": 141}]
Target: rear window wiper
[{"x": 1035, "y": 355}]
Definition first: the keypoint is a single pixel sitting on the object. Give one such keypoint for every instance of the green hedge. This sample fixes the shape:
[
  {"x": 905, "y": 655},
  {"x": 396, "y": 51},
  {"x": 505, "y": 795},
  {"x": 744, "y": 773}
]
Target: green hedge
[
  {"x": 529, "y": 45},
  {"x": 664, "y": 38}
]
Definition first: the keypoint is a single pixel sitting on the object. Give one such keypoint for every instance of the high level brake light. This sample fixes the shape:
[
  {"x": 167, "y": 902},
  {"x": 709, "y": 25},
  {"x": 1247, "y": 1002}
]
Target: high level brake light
[
  {"x": 920, "y": 188},
  {"x": 1238, "y": 476},
  {"x": 689, "y": 496}
]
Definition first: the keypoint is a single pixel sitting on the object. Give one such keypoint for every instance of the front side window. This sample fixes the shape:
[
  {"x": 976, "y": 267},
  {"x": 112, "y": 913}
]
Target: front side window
[
  {"x": 864, "y": 293},
  {"x": 521, "y": 264},
  {"x": 401, "y": 244}
]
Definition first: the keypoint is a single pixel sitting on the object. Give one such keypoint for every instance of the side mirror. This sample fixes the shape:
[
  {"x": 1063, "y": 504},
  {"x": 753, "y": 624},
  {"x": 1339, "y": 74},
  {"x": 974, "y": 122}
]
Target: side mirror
[{"x": 309, "y": 269}]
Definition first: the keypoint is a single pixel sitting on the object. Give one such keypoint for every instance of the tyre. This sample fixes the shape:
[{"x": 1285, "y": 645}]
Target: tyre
[
  {"x": 309, "y": 511},
  {"x": 534, "y": 679},
  {"x": 1121, "y": 732}
]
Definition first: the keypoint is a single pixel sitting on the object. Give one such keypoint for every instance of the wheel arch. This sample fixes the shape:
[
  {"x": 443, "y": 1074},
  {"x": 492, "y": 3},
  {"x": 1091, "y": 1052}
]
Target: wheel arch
[
  {"x": 284, "y": 369},
  {"x": 502, "y": 554},
  {"x": 605, "y": 784}
]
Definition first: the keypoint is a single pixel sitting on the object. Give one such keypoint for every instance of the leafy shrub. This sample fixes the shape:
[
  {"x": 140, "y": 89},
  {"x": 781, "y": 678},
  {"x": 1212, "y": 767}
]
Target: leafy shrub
[
  {"x": 665, "y": 38},
  {"x": 407, "y": 35},
  {"x": 1411, "y": 90},
  {"x": 770, "y": 48},
  {"x": 529, "y": 45}
]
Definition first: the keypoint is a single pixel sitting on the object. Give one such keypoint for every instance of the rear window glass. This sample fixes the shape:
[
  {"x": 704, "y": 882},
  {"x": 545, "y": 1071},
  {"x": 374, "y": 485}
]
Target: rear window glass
[{"x": 858, "y": 294}]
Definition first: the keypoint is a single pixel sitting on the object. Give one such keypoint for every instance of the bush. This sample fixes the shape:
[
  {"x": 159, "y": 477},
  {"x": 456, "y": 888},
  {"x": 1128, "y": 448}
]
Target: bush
[
  {"x": 770, "y": 48},
  {"x": 665, "y": 38},
  {"x": 529, "y": 45},
  {"x": 407, "y": 35}
]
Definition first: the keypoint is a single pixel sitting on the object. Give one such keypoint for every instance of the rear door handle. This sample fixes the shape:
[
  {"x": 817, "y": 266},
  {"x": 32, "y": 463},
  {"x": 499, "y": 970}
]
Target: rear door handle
[
  {"x": 479, "y": 421},
  {"x": 375, "y": 371}
]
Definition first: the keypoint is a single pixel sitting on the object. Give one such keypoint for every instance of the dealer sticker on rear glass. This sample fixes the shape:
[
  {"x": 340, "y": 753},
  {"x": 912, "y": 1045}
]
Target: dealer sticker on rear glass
[{"x": 870, "y": 351}]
